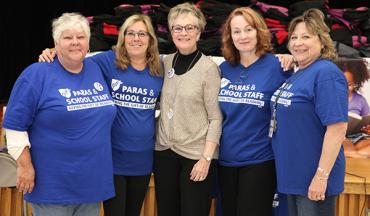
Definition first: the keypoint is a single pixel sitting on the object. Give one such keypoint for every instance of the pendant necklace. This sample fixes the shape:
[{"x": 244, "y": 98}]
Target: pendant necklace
[
  {"x": 170, "y": 74},
  {"x": 171, "y": 71}
]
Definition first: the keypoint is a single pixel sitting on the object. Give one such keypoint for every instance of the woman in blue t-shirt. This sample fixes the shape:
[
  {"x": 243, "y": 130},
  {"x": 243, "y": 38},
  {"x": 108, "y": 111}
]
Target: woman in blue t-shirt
[
  {"x": 250, "y": 75},
  {"x": 58, "y": 126},
  {"x": 309, "y": 121},
  {"x": 133, "y": 73}
]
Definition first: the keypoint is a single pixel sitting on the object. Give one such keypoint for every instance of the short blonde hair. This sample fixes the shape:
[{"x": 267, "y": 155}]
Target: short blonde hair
[
  {"x": 152, "y": 53},
  {"x": 254, "y": 19},
  {"x": 187, "y": 8},
  {"x": 315, "y": 24},
  {"x": 70, "y": 21}
]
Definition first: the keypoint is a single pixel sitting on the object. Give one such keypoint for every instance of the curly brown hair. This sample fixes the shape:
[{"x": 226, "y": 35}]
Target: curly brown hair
[{"x": 357, "y": 67}]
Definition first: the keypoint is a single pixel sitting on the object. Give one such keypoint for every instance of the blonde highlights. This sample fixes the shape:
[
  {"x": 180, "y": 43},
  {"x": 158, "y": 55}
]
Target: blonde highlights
[
  {"x": 152, "y": 53},
  {"x": 315, "y": 24}
]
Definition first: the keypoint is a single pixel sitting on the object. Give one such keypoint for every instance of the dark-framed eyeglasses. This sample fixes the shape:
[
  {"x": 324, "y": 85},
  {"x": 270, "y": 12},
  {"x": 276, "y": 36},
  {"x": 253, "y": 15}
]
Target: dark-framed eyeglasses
[
  {"x": 188, "y": 28},
  {"x": 140, "y": 34}
]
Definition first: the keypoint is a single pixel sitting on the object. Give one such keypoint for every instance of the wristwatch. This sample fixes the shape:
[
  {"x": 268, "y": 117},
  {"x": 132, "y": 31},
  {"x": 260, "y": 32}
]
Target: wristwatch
[{"x": 207, "y": 158}]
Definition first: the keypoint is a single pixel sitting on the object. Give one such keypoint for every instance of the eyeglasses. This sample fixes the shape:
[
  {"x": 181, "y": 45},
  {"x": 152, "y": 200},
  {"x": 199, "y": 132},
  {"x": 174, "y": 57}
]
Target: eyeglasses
[
  {"x": 188, "y": 28},
  {"x": 140, "y": 34}
]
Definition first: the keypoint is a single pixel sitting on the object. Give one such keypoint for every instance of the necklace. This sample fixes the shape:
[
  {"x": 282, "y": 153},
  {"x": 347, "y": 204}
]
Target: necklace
[
  {"x": 244, "y": 70},
  {"x": 171, "y": 72},
  {"x": 177, "y": 82}
]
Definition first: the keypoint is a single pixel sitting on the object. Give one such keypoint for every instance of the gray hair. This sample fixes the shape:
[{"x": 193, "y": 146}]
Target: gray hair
[
  {"x": 187, "y": 8},
  {"x": 70, "y": 21}
]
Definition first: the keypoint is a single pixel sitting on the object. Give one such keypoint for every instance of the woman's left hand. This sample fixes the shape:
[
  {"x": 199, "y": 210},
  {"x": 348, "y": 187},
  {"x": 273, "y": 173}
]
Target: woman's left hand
[
  {"x": 200, "y": 170},
  {"x": 317, "y": 188},
  {"x": 286, "y": 61}
]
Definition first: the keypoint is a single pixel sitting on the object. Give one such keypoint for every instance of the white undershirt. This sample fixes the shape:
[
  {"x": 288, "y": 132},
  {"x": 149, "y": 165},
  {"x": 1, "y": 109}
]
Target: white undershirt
[{"x": 16, "y": 141}]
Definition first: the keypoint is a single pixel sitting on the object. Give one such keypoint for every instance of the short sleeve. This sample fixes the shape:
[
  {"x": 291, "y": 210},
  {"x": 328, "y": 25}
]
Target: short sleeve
[
  {"x": 104, "y": 60},
  {"x": 365, "y": 108},
  {"x": 330, "y": 95},
  {"x": 23, "y": 100}
]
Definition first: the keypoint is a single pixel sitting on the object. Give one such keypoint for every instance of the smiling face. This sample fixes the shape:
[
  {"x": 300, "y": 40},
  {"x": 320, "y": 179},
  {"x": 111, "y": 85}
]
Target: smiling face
[
  {"x": 304, "y": 46},
  {"x": 244, "y": 35},
  {"x": 185, "y": 41},
  {"x": 137, "y": 40},
  {"x": 72, "y": 46}
]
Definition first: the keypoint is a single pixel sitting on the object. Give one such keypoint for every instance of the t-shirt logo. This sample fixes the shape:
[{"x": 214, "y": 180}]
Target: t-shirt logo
[
  {"x": 98, "y": 86},
  {"x": 65, "y": 92},
  {"x": 224, "y": 82},
  {"x": 115, "y": 84}
]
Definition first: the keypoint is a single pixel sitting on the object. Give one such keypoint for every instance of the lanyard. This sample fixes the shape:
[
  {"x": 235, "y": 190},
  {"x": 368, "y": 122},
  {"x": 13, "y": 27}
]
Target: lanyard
[{"x": 285, "y": 86}]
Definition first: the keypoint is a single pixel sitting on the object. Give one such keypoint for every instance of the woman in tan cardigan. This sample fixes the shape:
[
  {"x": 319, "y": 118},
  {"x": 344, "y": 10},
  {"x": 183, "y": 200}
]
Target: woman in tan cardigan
[{"x": 190, "y": 123}]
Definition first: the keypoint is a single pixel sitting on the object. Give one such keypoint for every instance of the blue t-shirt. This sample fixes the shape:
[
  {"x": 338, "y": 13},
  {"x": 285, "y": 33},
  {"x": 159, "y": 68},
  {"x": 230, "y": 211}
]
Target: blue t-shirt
[
  {"x": 68, "y": 117},
  {"x": 245, "y": 104},
  {"x": 133, "y": 133},
  {"x": 310, "y": 100}
]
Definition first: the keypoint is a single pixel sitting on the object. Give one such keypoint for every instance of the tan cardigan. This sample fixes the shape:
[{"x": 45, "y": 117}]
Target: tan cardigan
[{"x": 192, "y": 98}]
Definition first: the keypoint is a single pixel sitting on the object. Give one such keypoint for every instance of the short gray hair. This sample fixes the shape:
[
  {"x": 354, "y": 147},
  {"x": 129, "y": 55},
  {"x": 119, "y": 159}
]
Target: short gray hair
[
  {"x": 70, "y": 21},
  {"x": 187, "y": 8}
]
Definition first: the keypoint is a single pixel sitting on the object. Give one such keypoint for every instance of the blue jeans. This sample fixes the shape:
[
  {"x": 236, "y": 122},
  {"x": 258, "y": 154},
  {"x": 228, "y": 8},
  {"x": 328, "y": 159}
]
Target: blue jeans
[
  {"x": 302, "y": 206},
  {"x": 89, "y": 209}
]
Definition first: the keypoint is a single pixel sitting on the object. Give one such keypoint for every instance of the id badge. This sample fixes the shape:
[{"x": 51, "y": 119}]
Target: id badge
[
  {"x": 272, "y": 127},
  {"x": 273, "y": 124}
]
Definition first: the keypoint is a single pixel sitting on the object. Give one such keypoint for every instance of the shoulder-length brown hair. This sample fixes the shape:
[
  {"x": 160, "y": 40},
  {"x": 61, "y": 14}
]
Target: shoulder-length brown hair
[
  {"x": 315, "y": 24},
  {"x": 254, "y": 19},
  {"x": 152, "y": 54}
]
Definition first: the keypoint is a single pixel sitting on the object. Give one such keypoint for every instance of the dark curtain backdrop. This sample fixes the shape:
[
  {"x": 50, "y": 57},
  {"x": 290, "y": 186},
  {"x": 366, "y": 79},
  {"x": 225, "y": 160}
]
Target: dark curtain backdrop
[{"x": 25, "y": 28}]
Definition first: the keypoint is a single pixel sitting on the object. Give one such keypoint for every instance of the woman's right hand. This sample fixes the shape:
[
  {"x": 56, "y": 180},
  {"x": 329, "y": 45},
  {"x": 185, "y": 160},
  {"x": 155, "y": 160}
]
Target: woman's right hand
[
  {"x": 25, "y": 172},
  {"x": 286, "y": 61},
  {"x": 47, "y": 55},
  {"x": 26, "y": 178}
]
